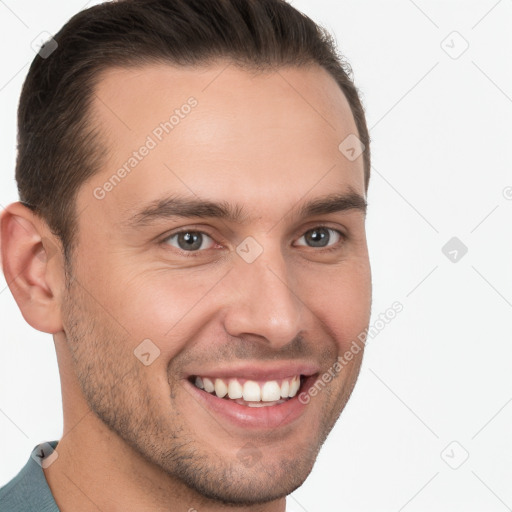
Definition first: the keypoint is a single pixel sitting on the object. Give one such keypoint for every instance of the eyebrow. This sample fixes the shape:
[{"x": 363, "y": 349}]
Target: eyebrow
[{"x": 184, "y": 207}]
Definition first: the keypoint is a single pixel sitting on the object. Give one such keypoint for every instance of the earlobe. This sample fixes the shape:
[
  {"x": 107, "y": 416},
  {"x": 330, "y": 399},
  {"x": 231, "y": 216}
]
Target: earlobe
[{"x": 29, "y": 262}]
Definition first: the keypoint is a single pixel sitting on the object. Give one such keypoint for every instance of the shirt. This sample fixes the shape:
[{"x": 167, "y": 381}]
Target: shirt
[{"x": 28, "y": 491}]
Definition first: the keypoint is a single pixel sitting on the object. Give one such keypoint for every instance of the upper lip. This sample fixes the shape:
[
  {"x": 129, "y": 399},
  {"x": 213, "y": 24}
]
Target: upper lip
[{"x": 258, "y": 372}]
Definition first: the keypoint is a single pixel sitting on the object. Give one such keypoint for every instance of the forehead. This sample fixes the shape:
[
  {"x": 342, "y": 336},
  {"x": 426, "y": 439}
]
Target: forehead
[{"x": 220, "y": 132}]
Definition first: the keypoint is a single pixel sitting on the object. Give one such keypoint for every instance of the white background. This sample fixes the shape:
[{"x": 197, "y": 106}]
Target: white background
[{"x": 441, "y": 371}]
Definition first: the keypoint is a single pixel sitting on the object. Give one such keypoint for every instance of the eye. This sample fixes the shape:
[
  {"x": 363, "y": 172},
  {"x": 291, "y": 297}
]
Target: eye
[
  {"x": 190, "y": 241},
  {"x": 321, "y": 237}
]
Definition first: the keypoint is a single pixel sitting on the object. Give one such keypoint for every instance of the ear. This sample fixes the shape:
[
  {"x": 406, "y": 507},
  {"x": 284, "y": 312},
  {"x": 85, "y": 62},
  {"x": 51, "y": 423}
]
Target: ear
[{"x": 32, "y": 264}]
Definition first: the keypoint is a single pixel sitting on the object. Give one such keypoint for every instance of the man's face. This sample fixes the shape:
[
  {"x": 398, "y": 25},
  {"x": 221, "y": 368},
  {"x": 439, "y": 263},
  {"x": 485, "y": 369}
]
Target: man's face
[{"x": 279, "y": 292}]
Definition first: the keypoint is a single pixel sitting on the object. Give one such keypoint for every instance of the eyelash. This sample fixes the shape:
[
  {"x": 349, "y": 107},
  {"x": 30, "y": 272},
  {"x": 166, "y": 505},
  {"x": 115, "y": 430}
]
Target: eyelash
[{"x": 195, "y": 254}]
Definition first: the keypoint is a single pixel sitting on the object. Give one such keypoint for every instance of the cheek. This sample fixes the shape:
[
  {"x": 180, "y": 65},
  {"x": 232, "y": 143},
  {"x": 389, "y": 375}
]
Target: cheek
[
  {"x": 159, "y": 303},
  {"x": 342, "y": 302},
  {"x": 168, "y": 305}
]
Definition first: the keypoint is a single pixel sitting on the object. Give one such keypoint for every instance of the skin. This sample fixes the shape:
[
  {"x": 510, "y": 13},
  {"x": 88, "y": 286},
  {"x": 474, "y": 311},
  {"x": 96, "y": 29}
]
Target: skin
[{"x": 268, "y": 142}]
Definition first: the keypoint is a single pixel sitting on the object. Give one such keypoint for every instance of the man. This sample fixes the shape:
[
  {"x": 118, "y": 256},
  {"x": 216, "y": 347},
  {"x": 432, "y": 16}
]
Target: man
[{"x": 191, "y": 231}]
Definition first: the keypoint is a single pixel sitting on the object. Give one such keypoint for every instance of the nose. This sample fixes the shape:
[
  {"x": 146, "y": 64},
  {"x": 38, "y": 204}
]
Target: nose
[{"x": 264, "y": 302}]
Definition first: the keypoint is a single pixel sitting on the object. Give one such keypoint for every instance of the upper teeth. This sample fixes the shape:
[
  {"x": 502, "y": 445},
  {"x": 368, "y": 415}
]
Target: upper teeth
[{"x": 250, "y": 390}]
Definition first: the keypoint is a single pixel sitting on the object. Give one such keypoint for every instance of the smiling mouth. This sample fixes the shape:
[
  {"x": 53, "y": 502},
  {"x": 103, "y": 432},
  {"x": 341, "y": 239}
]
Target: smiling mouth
[{"x": 250, "y": 393}]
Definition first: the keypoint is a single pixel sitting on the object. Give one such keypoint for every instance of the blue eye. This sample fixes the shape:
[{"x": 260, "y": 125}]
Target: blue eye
[
  {"x": 321, "y": 237},
  {"x": 191, "y": 241}
]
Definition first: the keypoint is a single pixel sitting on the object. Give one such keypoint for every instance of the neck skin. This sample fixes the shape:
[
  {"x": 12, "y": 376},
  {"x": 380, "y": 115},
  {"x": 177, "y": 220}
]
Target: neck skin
[{"x": 97, "y": 470}]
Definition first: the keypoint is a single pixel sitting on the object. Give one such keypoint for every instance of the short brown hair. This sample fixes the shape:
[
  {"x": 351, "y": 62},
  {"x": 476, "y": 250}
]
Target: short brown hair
[{"x": 58, "y": 145}]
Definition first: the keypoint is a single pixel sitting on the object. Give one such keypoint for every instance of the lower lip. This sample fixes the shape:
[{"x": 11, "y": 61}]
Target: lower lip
[{"x": 270, "y": 417}]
